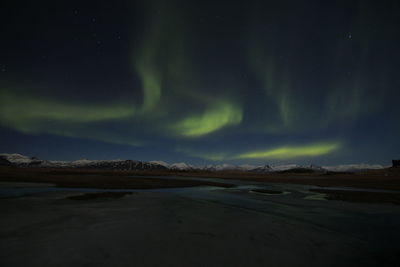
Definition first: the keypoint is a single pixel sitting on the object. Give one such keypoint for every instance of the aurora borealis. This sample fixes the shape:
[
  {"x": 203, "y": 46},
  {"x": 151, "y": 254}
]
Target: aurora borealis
[{"x": 201, "y": 81}]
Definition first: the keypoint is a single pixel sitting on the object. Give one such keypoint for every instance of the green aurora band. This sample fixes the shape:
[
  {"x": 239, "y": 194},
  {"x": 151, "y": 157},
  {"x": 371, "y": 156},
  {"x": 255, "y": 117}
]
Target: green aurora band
[
  {"x": 224, "y": 114},
  {"x": 278, "y": 153},
  {"x": 34, "y": 115},
  {"x": 19, "y": 109},
  {"x": 291, "y": 152}
]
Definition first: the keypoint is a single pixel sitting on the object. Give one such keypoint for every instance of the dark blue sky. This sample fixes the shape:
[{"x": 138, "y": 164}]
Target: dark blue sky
[{"x": 201, "y": 81}]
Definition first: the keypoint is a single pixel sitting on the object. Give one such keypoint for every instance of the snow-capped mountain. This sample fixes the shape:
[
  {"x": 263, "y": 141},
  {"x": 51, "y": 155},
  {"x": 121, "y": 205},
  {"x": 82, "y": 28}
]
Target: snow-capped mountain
[
  {"x": 17, "y": 158},
  {"x": 260, "y": 169},
  {"x": 159, "y": 162},
  {"x": 24, "y": 161},
  {"x": 353, "y": 167},
  {"x": 221, "y": 167},
  {"x": 277, "y": 168},
  {"x": 118, "y": 164},
  {"x": 181, "y": 166},
  {"x": 230, "y": 167}
]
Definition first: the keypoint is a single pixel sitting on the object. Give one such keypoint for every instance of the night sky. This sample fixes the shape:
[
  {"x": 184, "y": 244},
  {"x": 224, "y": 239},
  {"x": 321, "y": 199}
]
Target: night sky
[{"x": 258, "y": 82}]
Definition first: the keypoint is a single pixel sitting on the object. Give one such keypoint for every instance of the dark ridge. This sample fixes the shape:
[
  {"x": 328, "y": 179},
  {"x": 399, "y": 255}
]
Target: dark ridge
[{"x": 4, "y": 162}]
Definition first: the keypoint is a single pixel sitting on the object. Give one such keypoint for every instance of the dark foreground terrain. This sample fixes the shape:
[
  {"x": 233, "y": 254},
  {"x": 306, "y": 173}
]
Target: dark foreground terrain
[
  {"x": 379, "y": 179},
  {"x": 95, "y": 178},
  {"x": 98, "y": 218},
  {"x": 386, "y": 179}
]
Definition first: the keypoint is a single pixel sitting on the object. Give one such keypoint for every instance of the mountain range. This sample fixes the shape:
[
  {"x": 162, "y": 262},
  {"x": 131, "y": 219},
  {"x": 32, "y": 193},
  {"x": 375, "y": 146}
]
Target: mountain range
[{"x": 19, "y": 160}]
